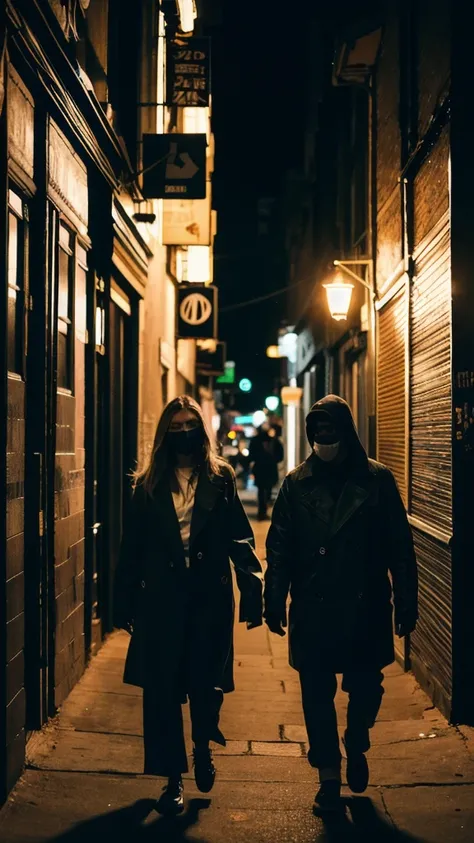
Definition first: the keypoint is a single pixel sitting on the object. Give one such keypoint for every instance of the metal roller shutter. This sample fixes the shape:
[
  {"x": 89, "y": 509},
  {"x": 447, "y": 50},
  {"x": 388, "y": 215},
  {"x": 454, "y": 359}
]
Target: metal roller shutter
[
  {"x": 430, "y": 487},
  {"x": 391, "y": 389}
]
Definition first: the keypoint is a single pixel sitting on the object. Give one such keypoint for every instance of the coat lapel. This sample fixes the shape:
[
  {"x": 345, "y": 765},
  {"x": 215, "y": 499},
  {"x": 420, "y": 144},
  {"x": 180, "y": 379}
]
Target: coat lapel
[
  {"x": 167, "y": 524},
  {"x": 208, "y": 492},
  {"x": 352, "y": 497},
  {"x": 317, "y": 497}
]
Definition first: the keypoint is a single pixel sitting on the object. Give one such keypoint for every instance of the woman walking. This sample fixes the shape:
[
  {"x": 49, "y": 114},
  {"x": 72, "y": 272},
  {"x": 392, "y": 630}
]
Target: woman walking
[{"x": 173, "y": 593}]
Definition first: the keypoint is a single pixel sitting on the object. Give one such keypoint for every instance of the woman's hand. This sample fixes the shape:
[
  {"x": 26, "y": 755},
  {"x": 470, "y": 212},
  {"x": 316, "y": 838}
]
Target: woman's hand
[{"x": 275, "y": 623}]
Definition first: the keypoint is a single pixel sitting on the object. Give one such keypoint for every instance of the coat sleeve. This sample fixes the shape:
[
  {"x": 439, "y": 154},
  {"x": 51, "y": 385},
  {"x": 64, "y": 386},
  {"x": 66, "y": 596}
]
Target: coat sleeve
[
  {"x": 128, "y": 570},
  {"x": 280, "y": 545},
  {"x": 248, "y": 569},
  {"x": 402, "y": 559}
]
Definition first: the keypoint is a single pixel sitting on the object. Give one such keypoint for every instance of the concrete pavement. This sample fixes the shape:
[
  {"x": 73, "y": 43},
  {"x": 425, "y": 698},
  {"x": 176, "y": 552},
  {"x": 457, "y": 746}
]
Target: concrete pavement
[{"x": 83, "y": 779}]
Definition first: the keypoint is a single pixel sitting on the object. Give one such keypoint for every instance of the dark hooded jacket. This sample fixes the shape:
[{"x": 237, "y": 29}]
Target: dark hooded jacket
[{"x": 341, "y": 545}]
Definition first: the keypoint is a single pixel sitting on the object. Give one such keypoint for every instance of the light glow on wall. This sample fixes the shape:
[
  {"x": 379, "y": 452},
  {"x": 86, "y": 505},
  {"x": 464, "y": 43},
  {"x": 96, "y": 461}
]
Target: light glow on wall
[
  {"x": 198, "y": 264},
  {"x": 291, "y": 436}
]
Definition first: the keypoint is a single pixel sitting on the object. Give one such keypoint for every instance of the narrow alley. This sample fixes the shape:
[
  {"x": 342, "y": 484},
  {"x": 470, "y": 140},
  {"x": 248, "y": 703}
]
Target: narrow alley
[{"x": 83, "y": 778}]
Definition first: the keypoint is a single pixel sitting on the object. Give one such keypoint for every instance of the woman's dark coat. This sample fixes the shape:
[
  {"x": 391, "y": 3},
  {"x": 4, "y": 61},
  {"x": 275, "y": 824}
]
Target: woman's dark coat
[
  {"x": 158, "y": 596},
  {"x": 335, "y": 558}
]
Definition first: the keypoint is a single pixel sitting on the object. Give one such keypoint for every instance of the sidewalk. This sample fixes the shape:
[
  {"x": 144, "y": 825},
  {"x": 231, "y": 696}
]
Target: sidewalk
[{"x": 84, "y": 768}]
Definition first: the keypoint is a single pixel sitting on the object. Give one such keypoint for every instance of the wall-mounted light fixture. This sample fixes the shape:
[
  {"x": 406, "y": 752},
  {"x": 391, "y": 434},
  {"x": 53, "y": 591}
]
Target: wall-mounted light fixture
[{"x": 339, "y": 292}]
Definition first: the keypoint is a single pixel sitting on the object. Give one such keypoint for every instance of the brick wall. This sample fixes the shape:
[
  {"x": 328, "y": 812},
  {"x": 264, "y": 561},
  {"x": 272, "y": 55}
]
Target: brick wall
[
  {"x": 388, "y": 156},
  {"x": 70, "y": 533},
  {"x": 15, "y": 699},
  {"x": 434, "y": 39}
]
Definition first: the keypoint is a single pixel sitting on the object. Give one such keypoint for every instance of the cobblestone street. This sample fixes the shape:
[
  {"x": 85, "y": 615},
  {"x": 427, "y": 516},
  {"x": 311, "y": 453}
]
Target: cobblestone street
[{"x": 83, "y": 777}]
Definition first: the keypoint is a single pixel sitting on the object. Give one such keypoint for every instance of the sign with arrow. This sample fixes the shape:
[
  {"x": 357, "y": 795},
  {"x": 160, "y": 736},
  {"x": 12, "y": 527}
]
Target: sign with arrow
[
  {"x": 197, "y": 311},
  {"x": 174, "y": 166}
]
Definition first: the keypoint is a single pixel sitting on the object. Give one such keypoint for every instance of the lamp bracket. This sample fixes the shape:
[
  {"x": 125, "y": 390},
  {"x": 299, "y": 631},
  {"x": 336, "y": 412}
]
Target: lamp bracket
[{"x": 345, "y": 266}]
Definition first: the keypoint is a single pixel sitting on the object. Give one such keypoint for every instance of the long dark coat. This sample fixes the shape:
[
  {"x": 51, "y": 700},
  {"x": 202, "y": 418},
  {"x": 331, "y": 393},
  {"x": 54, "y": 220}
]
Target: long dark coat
[
  {"x": 155, "y": 592},
  {"x": 335, "y": 557},
  {"x": 265, "y": 452}
]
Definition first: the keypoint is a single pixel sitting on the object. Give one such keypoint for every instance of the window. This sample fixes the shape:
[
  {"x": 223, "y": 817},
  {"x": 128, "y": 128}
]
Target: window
[
  {"x": 66, "y": 266},
  {"x": 17, "y": 261}
]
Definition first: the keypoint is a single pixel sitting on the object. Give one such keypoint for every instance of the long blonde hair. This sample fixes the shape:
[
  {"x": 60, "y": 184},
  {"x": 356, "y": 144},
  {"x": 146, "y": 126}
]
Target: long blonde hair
[{"x": 160, "y": 459}]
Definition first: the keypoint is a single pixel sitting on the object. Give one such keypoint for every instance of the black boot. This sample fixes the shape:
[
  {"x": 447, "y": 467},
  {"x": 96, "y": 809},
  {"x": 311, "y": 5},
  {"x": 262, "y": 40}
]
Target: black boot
[
  {"x": 357, "y": 771},
  {"x": 172, "y": 799},
  {"x": 328, "y": 798},
  {"x": 204, "y": 770}
]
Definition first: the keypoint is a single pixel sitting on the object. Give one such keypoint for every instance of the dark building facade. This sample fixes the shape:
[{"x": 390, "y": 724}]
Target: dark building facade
[
  {"x": 87, "y": 316},
  {"x": 384, "y": 186}
]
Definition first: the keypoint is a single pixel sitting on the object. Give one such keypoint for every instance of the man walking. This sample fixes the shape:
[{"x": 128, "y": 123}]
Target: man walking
[
  {"x": 339, "y": 529},
  {"x": 266, "y": 451}
]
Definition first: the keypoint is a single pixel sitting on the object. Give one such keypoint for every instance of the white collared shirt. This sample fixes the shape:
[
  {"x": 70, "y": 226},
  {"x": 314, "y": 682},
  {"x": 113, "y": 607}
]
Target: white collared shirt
[{"x": 183, "y": 499}]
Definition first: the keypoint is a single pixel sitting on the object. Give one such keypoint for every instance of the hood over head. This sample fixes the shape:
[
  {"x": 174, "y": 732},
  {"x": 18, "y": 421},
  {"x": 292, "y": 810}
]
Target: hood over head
[{"x": 341, "y": 416}]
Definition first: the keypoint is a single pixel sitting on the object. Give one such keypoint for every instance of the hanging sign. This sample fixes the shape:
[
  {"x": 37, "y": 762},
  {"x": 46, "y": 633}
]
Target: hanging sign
[
  {"x": 211, "y": 362},
  {"x": 197, "y": 312},
  {"x": 174, "y": 166},
  {"x": 187, "y": 222},
  {"x": 188, "y": 72}
]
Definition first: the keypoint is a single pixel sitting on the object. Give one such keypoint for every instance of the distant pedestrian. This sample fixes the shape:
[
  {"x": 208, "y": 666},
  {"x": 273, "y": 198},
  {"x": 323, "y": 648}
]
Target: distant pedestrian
[
  {"x": 266, "y": 451},
  {"x": 174, "y": 594},
  {"x": 339, "y": 529}
]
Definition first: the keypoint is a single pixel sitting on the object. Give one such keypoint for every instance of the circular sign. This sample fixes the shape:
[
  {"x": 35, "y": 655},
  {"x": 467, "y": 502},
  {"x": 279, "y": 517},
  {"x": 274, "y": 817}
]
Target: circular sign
[
  {"x": 245, "y": 385},
  {"x": 195, "y": 309}
]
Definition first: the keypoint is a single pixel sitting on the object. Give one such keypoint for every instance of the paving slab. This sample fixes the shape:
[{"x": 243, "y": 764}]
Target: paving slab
[
  {"x": 443, "y": 815},
  {"x": 84, "y": 776}
]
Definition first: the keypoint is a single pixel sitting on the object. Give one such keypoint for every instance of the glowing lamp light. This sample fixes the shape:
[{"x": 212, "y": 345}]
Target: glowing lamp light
[
  {"x": 272, "y": 403},
  {"x": 258, "y": 418},
  {"x": 232, "y": 434},
  {"x": 339, "y": 295},
  {"x": 187, "y": 15},
  {"x": 273, "y": 351}
]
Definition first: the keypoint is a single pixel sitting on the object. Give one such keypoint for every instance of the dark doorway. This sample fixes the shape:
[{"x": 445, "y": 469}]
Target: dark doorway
[{"x": 122, "y": 433}]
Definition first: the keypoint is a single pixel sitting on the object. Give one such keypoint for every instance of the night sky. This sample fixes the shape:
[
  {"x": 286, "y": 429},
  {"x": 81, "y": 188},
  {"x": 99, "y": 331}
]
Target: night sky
[{"x": 257, "y": 121}]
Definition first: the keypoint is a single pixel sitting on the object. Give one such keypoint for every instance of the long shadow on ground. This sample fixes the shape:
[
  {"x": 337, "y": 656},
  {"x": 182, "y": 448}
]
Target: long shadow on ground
[
  {"x": 127, "y": 825},
  {"x": 363, "y": 823}
]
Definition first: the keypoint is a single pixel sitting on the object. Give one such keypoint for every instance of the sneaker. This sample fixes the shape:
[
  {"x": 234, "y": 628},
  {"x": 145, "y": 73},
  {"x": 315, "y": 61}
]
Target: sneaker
[
  {"x": 172, "y": 799},
  {"x": 204, "y": 770},
  {"x": 328, "y": 798},
  {"x": 357, "y": 771}
]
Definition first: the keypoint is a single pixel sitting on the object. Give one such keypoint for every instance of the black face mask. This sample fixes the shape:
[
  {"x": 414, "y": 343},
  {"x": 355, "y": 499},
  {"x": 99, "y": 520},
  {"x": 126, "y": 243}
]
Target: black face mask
[{"x": 186, "y": 442}]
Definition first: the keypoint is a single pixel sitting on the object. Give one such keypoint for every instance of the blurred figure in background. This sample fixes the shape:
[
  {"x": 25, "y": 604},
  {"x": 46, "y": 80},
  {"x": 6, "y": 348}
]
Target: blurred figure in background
[{"x": 265, "y": 452}]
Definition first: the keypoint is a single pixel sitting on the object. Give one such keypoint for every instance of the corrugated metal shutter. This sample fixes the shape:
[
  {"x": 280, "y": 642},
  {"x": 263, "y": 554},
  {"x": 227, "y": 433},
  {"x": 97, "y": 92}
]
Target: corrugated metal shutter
[
  {"x": 391, "y": 389},
  {"x": 430, "y": 487},
  {"x": 431, "y": 382}
]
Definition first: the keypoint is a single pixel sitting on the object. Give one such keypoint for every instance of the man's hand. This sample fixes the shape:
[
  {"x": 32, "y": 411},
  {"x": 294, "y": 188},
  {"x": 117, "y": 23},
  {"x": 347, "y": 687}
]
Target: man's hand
[
  {"x": 275, "y": 623},
  {"x": 405, "y": 628}
]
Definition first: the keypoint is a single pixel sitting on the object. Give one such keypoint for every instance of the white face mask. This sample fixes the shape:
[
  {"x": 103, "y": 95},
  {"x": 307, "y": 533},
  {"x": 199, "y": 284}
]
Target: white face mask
[{"x": 326, "y": 453}]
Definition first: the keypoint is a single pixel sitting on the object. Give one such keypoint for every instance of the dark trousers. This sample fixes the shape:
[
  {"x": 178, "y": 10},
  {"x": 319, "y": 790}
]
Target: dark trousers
[
  {"x": 264, "y": 498},
  {"x": 163, "y": 734},
  {"x": 318, "y": 690}
]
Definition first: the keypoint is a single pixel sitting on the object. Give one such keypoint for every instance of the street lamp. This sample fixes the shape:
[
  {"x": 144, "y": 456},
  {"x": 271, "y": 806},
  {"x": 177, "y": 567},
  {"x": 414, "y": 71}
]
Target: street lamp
[
  {"x": 339, "y": 297},
  {"x": 339, "y": 294}
]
